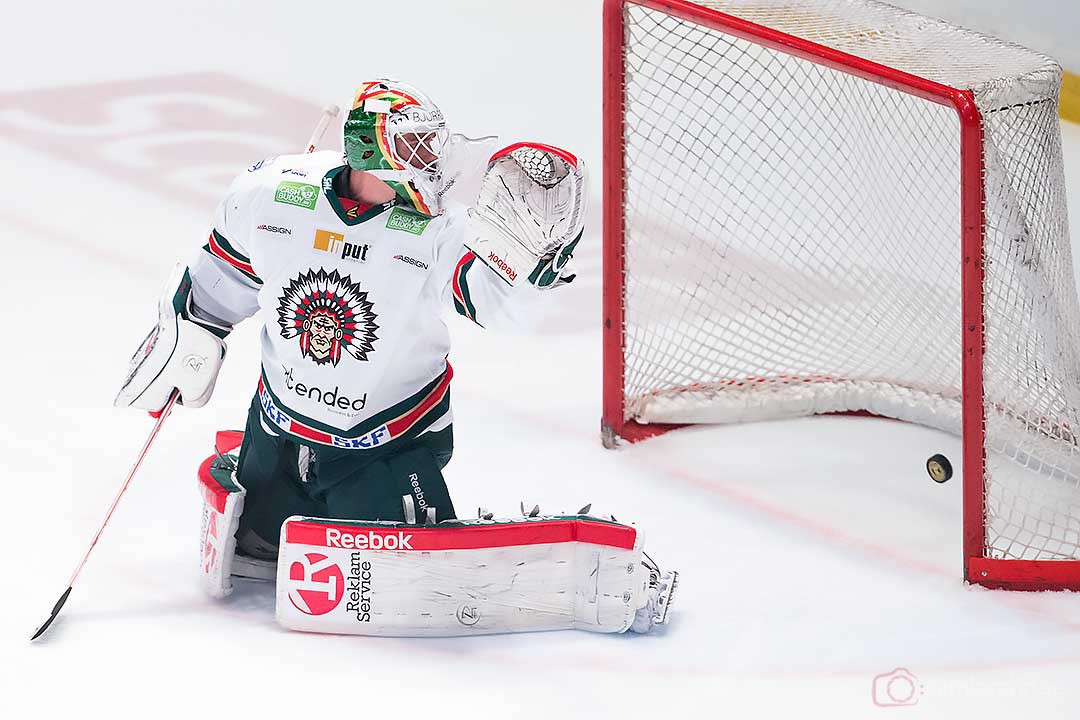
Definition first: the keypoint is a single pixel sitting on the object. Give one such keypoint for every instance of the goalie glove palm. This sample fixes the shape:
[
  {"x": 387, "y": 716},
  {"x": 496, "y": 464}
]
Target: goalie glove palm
[{"x": 530, "y": 214}]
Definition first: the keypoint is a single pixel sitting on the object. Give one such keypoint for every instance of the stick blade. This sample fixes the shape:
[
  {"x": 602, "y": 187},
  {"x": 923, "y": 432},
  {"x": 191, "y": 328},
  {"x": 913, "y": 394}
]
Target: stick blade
[{"x": 55, "y": 611}]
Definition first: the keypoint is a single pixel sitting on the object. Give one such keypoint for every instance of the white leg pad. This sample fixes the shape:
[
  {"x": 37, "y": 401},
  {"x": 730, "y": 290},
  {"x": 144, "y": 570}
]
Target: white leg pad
[
  {"x": 460, "y": 577},
  {"x": 223, "y": 501}
]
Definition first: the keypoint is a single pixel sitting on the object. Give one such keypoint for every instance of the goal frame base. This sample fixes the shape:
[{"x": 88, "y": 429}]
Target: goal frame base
[
  {"x": 634, "y": 431},
  {"x": 1029, "y": 575}
]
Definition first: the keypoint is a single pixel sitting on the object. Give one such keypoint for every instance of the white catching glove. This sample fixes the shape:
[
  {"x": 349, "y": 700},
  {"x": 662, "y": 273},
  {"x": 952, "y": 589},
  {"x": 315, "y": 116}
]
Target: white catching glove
[
  {"x": 177, "y": 354},
  {"x": 530, "y": 214}
]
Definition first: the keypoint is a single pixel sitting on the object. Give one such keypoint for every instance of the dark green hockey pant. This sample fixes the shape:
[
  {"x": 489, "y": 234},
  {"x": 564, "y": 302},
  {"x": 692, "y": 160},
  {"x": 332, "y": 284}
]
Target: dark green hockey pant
[{"x": 334, "y": 483}]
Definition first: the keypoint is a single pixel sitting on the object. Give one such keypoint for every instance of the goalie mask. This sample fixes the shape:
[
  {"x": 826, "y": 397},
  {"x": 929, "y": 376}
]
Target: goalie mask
[{"x": 398, "y": 134}]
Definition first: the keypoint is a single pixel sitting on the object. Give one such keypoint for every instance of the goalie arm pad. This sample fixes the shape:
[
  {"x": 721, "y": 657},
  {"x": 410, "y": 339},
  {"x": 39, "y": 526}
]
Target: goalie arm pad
[
  {"x": 479, "y": 294},
  {"x": 225, "y": 282},
  {"x": 530, "y": 214},
  {"x": 183, "y": 352},
  {"x": 475, "y": 290},
  {"x": 460, "y": 577},
  {"x": 199, "y": 307}
]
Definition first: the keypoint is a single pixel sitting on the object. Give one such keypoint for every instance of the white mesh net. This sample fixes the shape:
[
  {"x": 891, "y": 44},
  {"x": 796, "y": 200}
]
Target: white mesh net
[{"x": 793, "y": 242}]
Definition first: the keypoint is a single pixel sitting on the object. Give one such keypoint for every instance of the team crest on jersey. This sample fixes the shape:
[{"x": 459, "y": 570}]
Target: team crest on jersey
[{"x": 328, "y": 313}]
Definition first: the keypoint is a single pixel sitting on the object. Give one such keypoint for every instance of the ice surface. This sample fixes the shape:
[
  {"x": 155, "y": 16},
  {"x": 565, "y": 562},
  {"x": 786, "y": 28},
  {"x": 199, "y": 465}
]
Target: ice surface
[{"x": 815, "y": 553}]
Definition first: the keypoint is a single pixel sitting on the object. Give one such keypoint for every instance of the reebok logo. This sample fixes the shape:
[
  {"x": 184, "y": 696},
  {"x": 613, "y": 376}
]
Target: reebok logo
[
  {"x": 496, "y": 261},
  {"x": 418, "y": 491},
  {"x": 410, "y": 261},
  {"x": 275, "y": 229},
  {"x": 368, "y": 541}
]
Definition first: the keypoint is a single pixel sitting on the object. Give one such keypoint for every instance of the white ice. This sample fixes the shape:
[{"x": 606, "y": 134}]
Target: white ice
[{"x": 816, "y": 554}]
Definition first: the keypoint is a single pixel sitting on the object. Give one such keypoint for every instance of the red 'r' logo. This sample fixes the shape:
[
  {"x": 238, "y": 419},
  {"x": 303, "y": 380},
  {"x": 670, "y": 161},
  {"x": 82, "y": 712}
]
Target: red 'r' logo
[{"x": 316, "y": 584}]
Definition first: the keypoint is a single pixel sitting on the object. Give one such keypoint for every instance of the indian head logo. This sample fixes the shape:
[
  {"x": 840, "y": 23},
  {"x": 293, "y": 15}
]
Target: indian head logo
[{"x": 329, "y": 313}]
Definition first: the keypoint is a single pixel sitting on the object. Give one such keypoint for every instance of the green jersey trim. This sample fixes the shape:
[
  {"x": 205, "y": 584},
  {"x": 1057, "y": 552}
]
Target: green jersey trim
[{"x": 339, "y": 210}]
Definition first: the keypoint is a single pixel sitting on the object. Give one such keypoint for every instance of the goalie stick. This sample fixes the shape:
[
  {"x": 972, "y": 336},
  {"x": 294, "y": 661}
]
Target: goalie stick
[
  {"x": 153, "y": 434},
  {"x": 329, "y": 112}
]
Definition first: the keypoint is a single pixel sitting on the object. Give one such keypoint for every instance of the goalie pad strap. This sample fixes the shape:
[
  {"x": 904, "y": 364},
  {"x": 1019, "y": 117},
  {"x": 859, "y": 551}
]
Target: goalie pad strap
[{"x": 459, "y": 577}]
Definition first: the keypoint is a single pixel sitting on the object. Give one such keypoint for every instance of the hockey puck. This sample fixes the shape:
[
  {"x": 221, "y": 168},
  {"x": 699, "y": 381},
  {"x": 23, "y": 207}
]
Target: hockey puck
[{"x": 939, "y": 468}]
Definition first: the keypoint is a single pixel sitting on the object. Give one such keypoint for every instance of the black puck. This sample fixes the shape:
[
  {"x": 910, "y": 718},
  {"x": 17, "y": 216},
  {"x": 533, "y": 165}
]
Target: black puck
[{"x": 939, "y": 468}]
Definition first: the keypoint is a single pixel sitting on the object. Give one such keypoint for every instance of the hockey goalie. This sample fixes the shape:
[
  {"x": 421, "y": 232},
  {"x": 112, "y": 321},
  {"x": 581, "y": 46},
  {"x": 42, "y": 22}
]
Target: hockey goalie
[{"x": 334, "y": 490}]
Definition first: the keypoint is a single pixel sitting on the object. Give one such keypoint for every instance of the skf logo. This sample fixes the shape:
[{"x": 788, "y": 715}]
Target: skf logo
[
  {"x": 316, "y": 584},
  {"x": 498, "y": 262},
  {"x": 275, "y": 229},
  {"x": 335, "y": 243}
]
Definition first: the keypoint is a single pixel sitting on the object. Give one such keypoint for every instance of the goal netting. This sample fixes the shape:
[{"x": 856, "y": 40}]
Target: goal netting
[{"x": 793, "y": 241}]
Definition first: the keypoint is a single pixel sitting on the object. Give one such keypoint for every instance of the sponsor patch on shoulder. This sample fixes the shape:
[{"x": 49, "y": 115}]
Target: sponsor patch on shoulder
[
  {"x": 264, "y": 161},
  {"x": 407, "y": 222},
  {"x": 298, "y": 194}
]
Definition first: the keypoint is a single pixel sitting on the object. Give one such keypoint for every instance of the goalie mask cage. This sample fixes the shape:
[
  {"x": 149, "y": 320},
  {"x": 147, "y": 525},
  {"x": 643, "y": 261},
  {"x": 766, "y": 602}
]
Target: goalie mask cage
[{"x": 825, "y": 206}]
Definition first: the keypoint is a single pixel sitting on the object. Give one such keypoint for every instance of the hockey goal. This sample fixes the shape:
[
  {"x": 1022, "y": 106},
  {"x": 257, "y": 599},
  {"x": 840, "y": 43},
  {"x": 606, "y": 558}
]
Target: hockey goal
[{"x": 822, "y": 206}]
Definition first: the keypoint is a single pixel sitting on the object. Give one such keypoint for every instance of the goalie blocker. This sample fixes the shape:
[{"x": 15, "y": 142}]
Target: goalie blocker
[{"x": 459, "y": 577}]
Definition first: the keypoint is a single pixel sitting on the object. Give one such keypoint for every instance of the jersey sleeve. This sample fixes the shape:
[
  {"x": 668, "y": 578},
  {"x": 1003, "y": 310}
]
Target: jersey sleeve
[
  {"x": 476, "y": 291},
  {"x": 224, "y": 284}
]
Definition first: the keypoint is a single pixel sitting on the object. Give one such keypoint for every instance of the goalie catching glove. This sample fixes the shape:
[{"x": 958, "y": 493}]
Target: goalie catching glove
[
  {"x": 530, "y": 214},
  {"x": 178, "y": 354}
]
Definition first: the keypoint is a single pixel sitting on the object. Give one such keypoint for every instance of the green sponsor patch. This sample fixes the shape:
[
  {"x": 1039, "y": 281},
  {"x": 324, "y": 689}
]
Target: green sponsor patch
[
  {"x": 407, "y": 222},
  {"x": 298, "y": 194}
]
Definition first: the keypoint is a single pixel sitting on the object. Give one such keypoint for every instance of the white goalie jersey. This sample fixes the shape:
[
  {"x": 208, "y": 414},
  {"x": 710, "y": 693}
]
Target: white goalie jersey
[{"x": 350, "y": 299}]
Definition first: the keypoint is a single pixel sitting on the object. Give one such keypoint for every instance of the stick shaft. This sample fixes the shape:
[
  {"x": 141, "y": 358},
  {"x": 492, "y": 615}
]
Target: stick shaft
[
  {"x": 131, "y": 475},
  {"x": 329, "y": 112}
]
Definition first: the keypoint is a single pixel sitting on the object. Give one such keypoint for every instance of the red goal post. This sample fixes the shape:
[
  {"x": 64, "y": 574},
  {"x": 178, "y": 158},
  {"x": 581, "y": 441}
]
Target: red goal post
[{"x": 982, "y": 563}]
